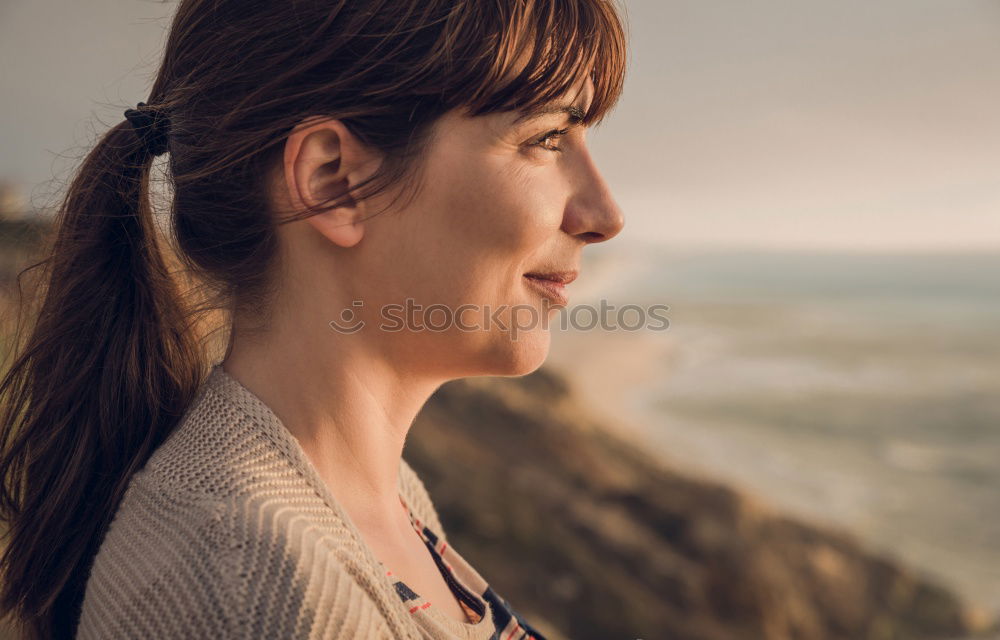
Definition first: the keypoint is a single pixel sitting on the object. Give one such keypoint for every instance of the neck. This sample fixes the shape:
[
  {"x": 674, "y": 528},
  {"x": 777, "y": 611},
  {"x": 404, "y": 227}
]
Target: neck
[{"x": 349, "y": 409}]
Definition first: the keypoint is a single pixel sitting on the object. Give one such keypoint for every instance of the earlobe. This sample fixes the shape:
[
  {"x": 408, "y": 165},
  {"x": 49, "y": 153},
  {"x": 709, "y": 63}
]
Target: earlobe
[
  {"x": 321, "y": 160},
  {"x": 344, "y": 234}
]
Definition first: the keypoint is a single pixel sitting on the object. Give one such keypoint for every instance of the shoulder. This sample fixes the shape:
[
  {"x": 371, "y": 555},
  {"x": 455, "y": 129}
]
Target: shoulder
[
  {"x": 159, "y": 571},
  {"x": 223, "y": 534},
  {"x": 179, "y": 564}
]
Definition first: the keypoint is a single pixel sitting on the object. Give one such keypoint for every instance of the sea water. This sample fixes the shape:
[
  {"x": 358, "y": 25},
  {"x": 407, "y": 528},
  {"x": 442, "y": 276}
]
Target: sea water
[{"x": 861, "y": 390}]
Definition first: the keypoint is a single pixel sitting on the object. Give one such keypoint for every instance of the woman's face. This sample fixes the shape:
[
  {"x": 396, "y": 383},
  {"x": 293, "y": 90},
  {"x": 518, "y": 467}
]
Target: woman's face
[{"x": 498, "y": 199}]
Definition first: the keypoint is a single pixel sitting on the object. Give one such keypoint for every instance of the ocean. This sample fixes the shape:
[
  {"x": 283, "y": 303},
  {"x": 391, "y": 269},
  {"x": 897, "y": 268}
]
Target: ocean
[{"x": 859, "y": 390}]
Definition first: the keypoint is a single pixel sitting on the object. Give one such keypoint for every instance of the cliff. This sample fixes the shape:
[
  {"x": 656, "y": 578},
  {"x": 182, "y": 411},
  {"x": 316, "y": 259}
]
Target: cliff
[{"x": 590, "y": 537}]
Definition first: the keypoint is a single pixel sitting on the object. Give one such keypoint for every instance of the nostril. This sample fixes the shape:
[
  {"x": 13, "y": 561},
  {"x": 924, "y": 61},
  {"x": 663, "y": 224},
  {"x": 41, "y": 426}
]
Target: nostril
[{"x": 592, "y": 236}]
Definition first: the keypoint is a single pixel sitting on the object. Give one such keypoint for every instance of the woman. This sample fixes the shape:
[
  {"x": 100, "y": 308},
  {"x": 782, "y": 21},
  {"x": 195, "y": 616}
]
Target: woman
[{"x": 343, "y": 174}]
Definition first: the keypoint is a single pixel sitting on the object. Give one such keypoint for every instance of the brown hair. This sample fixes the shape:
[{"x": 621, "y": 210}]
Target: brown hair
[{"x": 112, "y": 358}]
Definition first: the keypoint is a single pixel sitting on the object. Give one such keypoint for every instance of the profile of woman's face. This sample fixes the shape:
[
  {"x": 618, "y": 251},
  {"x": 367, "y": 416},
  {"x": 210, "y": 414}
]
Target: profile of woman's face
[{"x": 498, "y": 199}]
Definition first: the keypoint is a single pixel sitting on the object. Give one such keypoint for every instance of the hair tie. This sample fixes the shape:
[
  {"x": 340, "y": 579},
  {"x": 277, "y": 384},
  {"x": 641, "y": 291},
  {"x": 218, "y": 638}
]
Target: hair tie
[{"x": 151, "y": 126}]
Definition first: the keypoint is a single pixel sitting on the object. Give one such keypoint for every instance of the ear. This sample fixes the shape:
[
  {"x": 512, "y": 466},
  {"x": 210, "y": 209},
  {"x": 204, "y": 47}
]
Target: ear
[{"x": 322, "y": 159}]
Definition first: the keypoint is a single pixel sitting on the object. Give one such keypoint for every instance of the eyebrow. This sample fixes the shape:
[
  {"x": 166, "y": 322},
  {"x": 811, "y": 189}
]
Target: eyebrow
[{"x": 575, "y": 113}]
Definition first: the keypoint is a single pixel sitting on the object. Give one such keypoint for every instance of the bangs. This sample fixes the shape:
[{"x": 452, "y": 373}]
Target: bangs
[{"x": 540, "y": 50}]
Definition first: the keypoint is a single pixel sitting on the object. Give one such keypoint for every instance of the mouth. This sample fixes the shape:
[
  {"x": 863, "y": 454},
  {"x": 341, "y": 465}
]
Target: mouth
[
  {"x": 562, "y": 277},
  {"x": 552, "y": 284}
]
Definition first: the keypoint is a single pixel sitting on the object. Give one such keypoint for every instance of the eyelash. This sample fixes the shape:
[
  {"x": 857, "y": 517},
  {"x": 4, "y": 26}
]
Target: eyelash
[{"x": 555, "y": 133}]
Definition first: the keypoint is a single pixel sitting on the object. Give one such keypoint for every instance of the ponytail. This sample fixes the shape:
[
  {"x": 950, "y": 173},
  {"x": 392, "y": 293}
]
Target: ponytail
[{"x": 103, "y": 376}]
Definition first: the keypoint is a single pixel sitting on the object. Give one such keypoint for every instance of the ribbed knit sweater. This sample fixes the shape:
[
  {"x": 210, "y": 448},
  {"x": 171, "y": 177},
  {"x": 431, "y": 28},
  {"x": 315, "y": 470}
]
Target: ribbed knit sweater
[{"x": 229, "y": 532}]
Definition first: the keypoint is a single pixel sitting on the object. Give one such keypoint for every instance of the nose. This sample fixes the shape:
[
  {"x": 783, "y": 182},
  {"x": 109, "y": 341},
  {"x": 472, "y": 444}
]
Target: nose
[{"x": 592, "y": 213}]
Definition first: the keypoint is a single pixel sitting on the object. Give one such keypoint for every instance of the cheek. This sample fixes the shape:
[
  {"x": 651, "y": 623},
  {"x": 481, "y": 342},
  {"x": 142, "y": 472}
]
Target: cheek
[
  {"x": 480, "y": 222},
  {"x": 506, "y": 209}
]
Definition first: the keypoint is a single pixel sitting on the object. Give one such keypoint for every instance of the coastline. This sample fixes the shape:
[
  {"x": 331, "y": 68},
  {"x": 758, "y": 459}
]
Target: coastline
[{"x": 625, "y": 379}]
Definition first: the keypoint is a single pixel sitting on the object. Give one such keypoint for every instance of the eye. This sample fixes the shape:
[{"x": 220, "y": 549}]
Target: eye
[{"x": 545, "y": 141}]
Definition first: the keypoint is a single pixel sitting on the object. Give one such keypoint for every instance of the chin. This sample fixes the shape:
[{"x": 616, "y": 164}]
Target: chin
[{"x": 509, "y": 357}]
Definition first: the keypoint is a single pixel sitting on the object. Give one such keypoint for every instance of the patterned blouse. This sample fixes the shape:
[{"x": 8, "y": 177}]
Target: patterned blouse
[{"x": 473, "y": 595}]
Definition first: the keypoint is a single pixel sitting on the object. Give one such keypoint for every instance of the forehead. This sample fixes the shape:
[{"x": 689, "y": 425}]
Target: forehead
[
  {"x": 580, "y": 94},
  {"x": 584, "y": 90},
  {"x": 458, "y": 122},
  {"x": 573, "y": 103},
  {"x": 576, "y": 102}
]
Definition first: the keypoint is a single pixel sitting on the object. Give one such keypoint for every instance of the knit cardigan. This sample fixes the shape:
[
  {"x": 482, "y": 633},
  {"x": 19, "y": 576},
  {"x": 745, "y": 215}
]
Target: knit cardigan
[{"x": 229, "y": 532}]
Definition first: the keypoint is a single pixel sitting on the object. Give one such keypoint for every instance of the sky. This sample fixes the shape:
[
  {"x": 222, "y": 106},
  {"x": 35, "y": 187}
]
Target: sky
[{"x": 805, "y": 124}]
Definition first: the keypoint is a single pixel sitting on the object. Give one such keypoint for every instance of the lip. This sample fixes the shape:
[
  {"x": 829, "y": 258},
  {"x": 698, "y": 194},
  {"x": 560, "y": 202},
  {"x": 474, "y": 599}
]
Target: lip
[
  {"x": 562, "y": 277},
  {"x": 552, "y": 285}
]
